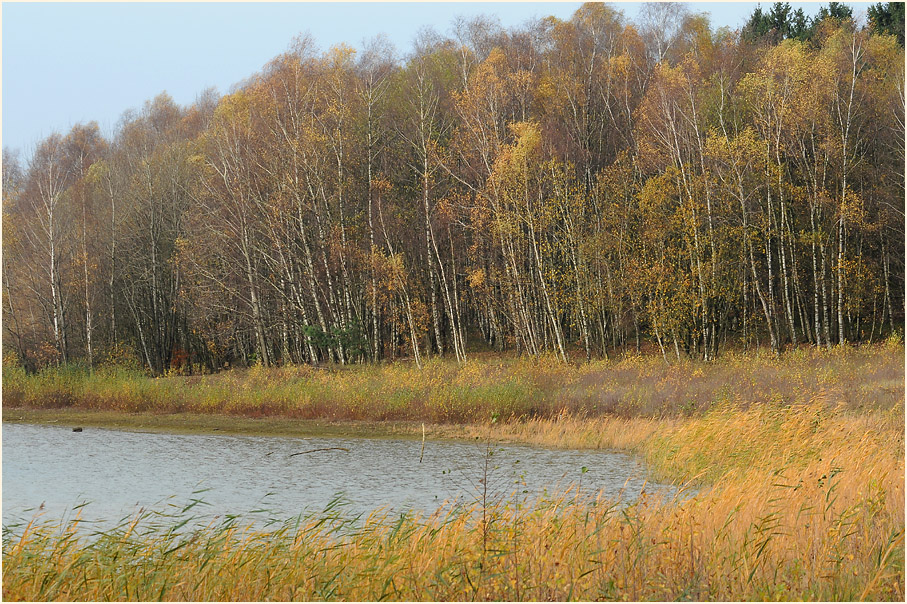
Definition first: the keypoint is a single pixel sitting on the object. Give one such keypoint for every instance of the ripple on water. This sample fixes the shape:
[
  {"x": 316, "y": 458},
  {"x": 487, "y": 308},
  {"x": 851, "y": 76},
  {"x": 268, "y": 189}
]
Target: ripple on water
[{"x": 117, "y": 473}]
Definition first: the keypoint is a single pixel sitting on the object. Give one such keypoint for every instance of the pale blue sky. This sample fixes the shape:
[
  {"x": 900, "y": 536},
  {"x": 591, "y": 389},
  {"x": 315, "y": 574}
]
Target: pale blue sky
[{"x": 65, "y": 63}]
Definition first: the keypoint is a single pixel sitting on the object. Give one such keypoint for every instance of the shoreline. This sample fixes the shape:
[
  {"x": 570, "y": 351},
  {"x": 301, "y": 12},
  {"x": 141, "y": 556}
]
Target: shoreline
[
  {"x": 636, "y": 405},
  {"x": 198, "y": 423},
  {"x": 278, "y": 427}
]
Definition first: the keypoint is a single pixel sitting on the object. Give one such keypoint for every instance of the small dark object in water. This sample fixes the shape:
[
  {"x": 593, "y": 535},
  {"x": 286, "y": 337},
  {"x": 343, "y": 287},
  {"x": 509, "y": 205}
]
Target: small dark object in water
[{"x": 77, "y": 429}]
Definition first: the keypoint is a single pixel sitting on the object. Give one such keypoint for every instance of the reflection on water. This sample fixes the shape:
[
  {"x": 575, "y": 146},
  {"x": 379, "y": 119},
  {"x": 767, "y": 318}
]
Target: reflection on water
[{"x": 118, "y": 473}]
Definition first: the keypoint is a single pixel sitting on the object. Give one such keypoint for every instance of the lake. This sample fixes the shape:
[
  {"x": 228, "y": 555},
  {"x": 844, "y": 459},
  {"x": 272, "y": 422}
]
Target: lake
[{"x": 117, "y": 473}]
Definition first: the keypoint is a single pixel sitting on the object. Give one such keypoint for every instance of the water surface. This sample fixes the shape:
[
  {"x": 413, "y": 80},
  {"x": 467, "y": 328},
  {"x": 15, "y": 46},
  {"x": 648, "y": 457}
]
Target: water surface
[{"x": 118, "y": 473}]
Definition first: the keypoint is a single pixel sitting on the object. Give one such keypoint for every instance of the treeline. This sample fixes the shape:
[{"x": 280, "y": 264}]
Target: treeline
[{"x": 564, "y": 187}]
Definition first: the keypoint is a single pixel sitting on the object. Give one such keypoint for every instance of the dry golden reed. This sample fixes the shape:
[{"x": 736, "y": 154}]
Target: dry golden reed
[
  {"x": 793, "y": 502},
  {"x": 793, "y": 472}
]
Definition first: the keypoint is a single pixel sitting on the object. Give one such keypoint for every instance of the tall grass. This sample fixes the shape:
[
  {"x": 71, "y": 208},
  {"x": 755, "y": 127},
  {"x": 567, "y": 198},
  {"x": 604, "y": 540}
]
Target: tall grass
[
  {"x": 511, "y": 388},
  {"x": 798, "y": 465},
  {"x": 799, "y": 502}
]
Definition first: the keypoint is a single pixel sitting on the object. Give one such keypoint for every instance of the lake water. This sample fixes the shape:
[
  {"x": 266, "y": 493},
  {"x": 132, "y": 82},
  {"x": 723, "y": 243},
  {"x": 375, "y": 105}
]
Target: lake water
[{"x": 117, "y": 473}]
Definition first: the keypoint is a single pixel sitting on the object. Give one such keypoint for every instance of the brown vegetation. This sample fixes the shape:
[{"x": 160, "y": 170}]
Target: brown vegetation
[{"x": 864, "y": 378}]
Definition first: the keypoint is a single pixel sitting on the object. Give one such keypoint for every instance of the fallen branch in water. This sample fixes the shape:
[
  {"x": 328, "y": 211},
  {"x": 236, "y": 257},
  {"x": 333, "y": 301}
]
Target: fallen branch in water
[{"x": 316, "y": 450}]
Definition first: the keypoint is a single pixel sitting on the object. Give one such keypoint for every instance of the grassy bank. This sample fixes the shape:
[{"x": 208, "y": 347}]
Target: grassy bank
[
  {"x": 799, "y": 462},
  {"x": 511, "y": 388},
  {"x": 212, "y": 423}
]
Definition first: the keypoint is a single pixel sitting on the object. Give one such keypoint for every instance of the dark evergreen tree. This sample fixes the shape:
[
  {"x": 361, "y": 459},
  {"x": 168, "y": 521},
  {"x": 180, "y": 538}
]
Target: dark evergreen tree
[{"x": 887, "y": 18}]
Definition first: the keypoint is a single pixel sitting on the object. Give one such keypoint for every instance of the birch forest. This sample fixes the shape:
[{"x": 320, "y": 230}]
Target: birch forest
[{"x": 579, "y": 189}]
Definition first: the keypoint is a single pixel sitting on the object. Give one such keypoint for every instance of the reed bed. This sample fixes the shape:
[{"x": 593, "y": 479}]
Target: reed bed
[{"x": 796, "y": 502}]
